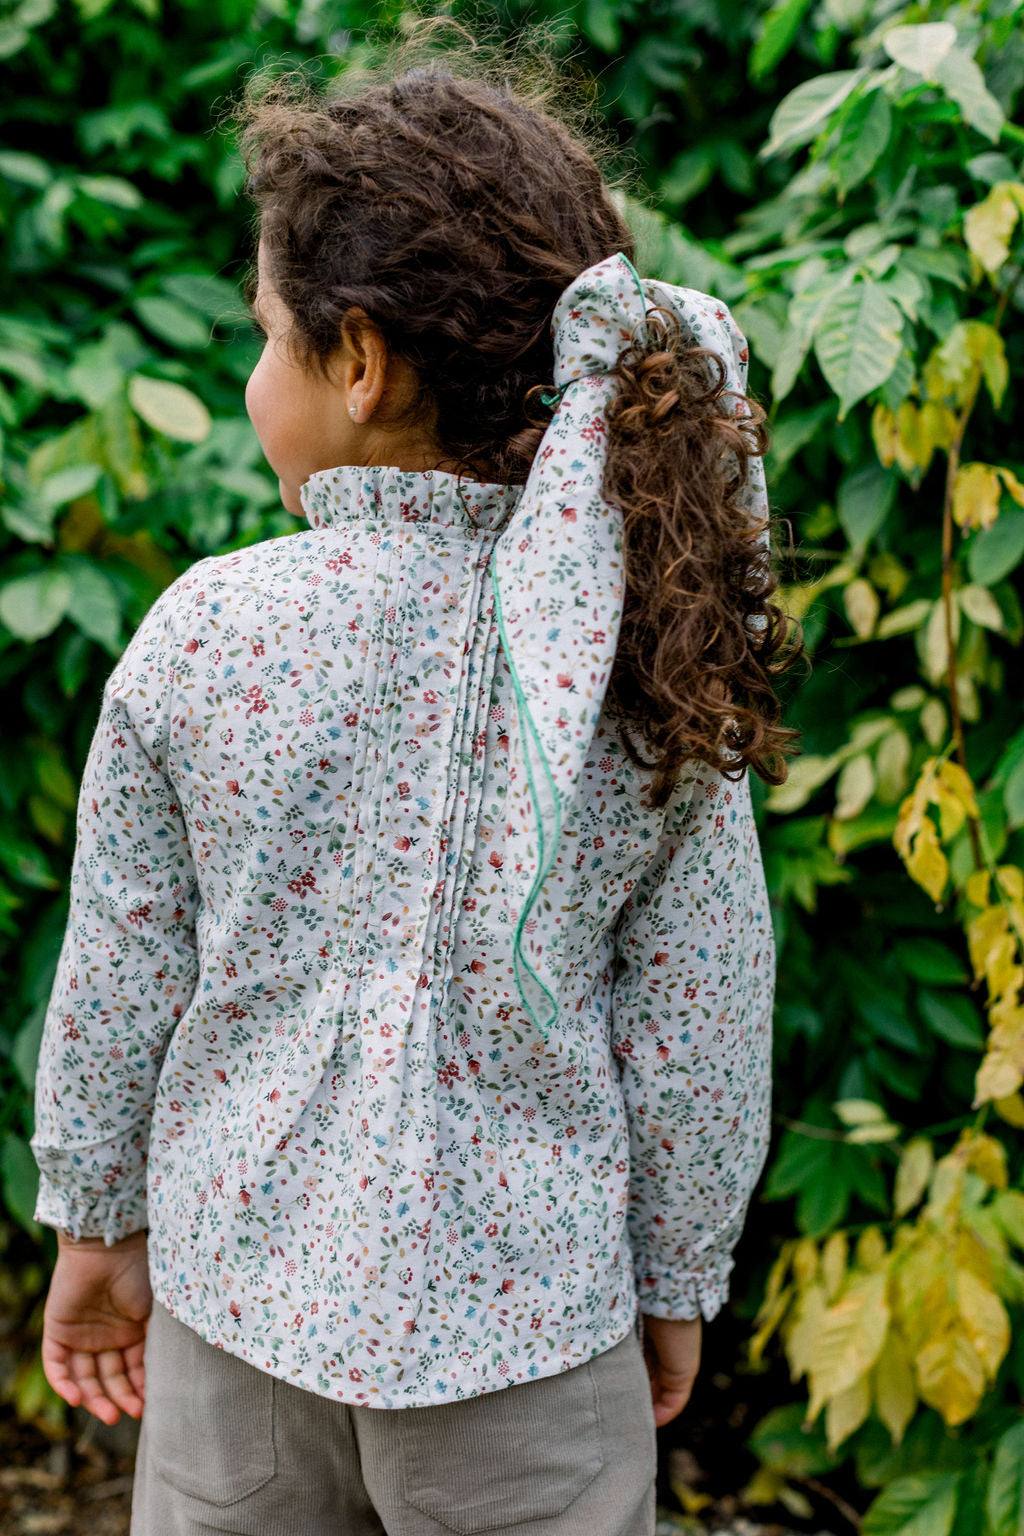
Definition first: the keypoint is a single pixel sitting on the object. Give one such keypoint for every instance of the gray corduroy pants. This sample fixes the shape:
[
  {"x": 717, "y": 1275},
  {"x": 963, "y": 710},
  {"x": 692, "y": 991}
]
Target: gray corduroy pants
[{"x": 227, "y": 1448}]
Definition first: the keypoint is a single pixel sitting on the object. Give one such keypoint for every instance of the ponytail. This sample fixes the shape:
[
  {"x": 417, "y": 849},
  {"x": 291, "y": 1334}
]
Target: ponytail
[{"x": 700, "y": 640}]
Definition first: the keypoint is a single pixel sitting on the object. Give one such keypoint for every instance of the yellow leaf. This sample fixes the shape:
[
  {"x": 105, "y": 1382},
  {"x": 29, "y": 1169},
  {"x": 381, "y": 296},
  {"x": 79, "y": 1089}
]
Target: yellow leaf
[
  {"x": 912, "y": 1175},
  {"x": 1011, "y": 879},
  {"x": 858, "y": 1111},
  {"x": 769, "y": 1319},
  {"x": 894, "y": 1390},
  {"x": 976, "y": 889},
  {"x": 854, "y": 787},
  {"x": 1010, "y": 1109},
  {"x": 939, "y": 422},
  {"x": 946, "y": 1189},
  {"x": 978, "y": 603},
  {"x": 846, "y": 1412},
  {"x": 986, "y": 1157},
  {"x": 1001, "y": 1073},
  {"x": 914, "y": 436},
  {"x": 887, "y": 440},
  {"x": 927, "y": 862},
  {"x": 1009, "y": 1209},
  {"x": 849, "y": 1340},
  {"x": 933, "y": 721},
  {"x": 803, "y": 1333},
  {"x": 953, "y": 778},
  {"x": 989, "y": 225},
  {"x": 970, "y": 352},
  {"x": 988, "y": 935},
  {"x": 833, "y": 1263},
  {"x": 923, "y": 1285},
  {"x": 935, "y": 641},
  {"x": 891, "y": 763},
  {"x": 1012, "y": 484},
  {"x": 871, "y": 1251},
  {"x": 984, "y": 1318},
  {"x": 805, "y": 1262},
  {"x": 950, "y": 1375},
  {"x": 862, "y": 605}
]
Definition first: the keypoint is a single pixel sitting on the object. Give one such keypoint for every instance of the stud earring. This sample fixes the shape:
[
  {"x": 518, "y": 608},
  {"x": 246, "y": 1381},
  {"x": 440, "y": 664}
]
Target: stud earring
[{"x": 351, "y": 410}]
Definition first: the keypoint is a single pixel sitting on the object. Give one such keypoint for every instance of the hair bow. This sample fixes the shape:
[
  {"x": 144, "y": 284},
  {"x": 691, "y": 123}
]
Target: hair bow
[{"x": 557, "y": 576}]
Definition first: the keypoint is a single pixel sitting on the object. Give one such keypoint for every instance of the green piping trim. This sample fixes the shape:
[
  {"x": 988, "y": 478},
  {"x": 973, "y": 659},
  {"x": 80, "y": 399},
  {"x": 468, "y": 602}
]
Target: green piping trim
[
  {"x": 544, "y": 869},
  {"x": 638, "y": 280}
]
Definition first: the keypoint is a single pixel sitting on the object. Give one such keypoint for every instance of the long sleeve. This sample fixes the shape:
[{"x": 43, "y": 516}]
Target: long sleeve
[
  {"x": 128, "y": 964},
  {"x": 691, "y": 1029}
]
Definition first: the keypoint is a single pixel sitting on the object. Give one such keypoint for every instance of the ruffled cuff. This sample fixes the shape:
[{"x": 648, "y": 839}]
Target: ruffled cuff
[
  {"x": 92, "y": 1191},
  {"x": 683, "y": 1297}
]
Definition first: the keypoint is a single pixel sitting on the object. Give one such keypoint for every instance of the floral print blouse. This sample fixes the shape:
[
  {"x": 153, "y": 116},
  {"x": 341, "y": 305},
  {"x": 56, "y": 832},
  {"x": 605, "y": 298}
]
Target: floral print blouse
[{"x": 423, "y": 1047}]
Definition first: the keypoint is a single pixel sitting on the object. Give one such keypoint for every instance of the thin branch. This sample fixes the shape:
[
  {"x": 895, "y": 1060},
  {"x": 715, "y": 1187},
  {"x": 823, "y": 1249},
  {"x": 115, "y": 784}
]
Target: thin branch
[{"x": 956, "y": 720}]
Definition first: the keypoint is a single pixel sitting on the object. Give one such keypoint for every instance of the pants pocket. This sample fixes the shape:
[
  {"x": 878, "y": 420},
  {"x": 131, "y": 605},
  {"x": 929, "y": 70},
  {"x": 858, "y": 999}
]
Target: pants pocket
[
  {"x": 504, "y": 1458},
  {"x": 209, "y": 1415}
]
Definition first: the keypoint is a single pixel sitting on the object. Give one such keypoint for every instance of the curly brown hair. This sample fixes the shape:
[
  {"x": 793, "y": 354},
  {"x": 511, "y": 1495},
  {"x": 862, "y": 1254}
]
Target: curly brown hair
[{"x": 452, "y": 211}]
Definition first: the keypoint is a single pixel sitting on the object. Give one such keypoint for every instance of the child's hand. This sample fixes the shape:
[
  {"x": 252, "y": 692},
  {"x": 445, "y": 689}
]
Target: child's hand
[
  {"x": 94, "y": 1325},
  {"x": 672, "y": 1352}
]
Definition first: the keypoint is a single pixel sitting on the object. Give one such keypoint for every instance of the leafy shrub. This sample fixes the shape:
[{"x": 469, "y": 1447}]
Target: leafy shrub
[{"x": 847, "y": 177}]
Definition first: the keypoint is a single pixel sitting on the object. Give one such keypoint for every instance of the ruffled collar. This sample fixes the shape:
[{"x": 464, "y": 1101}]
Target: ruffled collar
[{"x": 380, "y": 493}]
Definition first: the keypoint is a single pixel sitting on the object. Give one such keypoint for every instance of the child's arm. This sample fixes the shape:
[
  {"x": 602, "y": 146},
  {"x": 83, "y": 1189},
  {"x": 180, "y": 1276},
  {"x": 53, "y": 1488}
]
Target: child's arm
[
  {"x": 691, "y": 1028},
  {"x": 128, "y": 965}
]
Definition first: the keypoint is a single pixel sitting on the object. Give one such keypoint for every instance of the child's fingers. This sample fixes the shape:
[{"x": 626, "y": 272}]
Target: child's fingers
[
  {"x": 133, "y": 1359},
  {"x": 94, "y": 1399},
  {"x": 668, "y": 1405},
  {"x": 55, "y": 1369},
  {"x": 110, "y": 1365}
]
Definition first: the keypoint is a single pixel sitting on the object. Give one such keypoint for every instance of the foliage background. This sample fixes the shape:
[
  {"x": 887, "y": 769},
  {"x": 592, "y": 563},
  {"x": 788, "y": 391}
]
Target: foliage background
[{"x": 815, "y": 165}]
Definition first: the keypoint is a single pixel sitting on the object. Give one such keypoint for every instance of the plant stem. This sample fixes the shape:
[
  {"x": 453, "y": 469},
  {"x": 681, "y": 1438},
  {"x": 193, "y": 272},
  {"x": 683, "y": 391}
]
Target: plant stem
[
  {"x": 956, "y": 720},
  {"x": 846, "y": 1510}
]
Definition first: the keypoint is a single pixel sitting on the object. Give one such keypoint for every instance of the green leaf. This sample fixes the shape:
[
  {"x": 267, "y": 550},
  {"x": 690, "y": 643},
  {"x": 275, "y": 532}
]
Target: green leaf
[
  {"x": 963, "y": 80},
  {"x": 15, "y": 165},
  {"x": 929, "y": 961},
  {"x": 1004, "y": 1500},
  {"x": 20, "y": 1178},
  {"x": 25, "y": 1052},
  {"x": 864, "y": 502},
  {"x": 996, "y": 551},
  {"x": 953, "y": 1017},
  {"x": 864, "y": 139},
  {"x": 94, "y": 606},
  {"x": 113, "y": 190},
  {"x": 68, "y": 484},
  {"x": 777, "y": 34},
  {"x": 801, "y": 114},
  {"x": 785, "y": 1442},
  {"x": 169, "y": 408},
  {"x": 205, "y": 294},
  {"x": 32, "y": 606},
  {"x": 601, "y": 25},
  {"x": 921, "y": 48},
  {"x": 923, "y": 1505},
  {"x": 1013, "y": 797},
  {"x": 858, "y": 343},
  {"x": 172, "y": 322}
]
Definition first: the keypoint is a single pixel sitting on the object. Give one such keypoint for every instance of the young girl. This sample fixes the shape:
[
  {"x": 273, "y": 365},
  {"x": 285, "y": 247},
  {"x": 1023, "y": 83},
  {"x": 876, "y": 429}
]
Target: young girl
[{"x": 411, "y": 1032}]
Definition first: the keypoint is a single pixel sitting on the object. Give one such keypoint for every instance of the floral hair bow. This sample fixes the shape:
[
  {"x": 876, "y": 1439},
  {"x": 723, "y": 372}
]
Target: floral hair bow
[{"x": 557, "y": 575}]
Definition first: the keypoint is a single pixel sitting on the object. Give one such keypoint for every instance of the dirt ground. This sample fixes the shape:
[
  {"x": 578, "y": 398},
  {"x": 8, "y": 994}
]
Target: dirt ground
[{"x": 81, "y": 1486}]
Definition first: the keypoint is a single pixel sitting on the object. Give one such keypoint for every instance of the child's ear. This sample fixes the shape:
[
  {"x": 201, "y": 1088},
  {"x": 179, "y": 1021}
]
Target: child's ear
[{"x": 365, "y": 363}]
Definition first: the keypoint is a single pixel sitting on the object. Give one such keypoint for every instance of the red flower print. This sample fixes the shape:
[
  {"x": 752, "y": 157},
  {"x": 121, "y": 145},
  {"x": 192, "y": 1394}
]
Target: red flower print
[
  {"x": 244, "y": 1196},
  {"x": 495, "y": 859},
  {"x": 191, "y": 646},
  {"x": 477, "y": 966},
  {"x": 235, "y": 1309}
]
